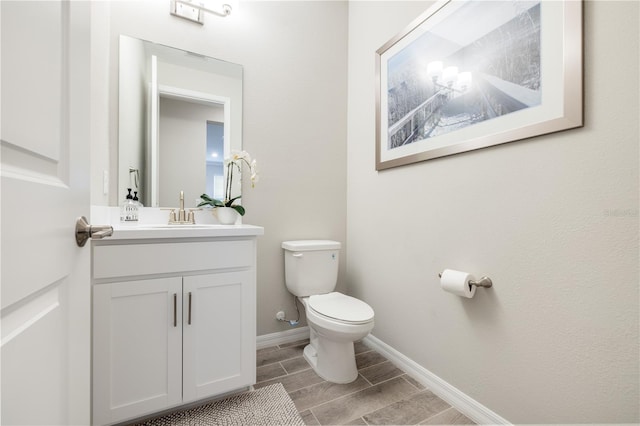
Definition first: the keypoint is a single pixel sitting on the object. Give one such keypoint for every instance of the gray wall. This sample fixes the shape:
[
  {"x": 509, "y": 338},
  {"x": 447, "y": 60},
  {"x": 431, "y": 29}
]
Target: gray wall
[{"x": 556, "y": 339}]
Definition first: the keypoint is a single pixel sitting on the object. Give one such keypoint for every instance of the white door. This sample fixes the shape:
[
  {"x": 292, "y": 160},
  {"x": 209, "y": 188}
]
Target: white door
[{"x": 45, "y": 287}]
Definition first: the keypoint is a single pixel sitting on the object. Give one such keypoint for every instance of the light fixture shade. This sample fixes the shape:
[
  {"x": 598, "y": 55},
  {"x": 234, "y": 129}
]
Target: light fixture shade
[{"x": 233, "y": 4}]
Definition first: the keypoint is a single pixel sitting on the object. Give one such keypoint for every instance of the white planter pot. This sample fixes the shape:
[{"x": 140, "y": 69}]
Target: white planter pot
[{"x": 226, "y": 215}]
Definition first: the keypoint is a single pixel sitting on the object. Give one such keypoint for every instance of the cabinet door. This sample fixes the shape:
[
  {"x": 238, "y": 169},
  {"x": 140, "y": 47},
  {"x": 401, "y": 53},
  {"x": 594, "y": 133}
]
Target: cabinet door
[
  {"x": 136, "y": 348},
  {"x": 219, "y": 333}
]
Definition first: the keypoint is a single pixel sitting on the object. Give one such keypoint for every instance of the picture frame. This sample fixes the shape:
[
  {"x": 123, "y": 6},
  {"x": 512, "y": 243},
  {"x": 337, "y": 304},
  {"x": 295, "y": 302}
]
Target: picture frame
[{"x": 470, "y": 74}]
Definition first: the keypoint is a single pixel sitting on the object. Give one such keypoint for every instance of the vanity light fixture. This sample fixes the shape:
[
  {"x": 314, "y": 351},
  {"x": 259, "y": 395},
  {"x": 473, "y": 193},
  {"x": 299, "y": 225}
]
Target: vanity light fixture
[{"x": 194, "y": 12}]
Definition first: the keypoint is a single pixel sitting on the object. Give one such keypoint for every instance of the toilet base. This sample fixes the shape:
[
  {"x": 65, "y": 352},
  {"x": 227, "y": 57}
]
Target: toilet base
[{"x": 334, "y": 362}]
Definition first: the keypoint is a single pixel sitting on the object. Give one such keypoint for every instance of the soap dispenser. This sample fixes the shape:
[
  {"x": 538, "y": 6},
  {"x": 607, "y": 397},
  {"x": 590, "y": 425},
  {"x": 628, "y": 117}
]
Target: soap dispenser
[
  {"x": 136, "y": 199},
  {"x": 129, "y": 209}
]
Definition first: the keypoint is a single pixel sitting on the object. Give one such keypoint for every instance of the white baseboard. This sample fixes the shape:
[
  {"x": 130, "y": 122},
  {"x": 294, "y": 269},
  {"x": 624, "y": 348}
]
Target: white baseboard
[
  {"x": 282, "y": 337},
  {"x": 460, "y": 401}
]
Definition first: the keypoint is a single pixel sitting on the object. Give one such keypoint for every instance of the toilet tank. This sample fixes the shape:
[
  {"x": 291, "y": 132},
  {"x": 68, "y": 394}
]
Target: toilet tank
[{"x": 311, "y": 266}]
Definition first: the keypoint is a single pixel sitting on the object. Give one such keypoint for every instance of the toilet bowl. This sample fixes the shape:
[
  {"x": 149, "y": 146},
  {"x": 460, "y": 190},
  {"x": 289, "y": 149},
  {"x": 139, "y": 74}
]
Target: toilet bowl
[{"x": 335, "y": 320}]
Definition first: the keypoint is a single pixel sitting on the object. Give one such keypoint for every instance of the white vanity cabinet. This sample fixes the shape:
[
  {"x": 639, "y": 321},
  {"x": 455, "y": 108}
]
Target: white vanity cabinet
[{"x": 173, "y": 322}]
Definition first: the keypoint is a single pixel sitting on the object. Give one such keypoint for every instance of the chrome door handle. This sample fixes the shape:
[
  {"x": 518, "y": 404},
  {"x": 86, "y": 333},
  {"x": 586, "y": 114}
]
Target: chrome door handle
[{"x": 84, "y": 231}]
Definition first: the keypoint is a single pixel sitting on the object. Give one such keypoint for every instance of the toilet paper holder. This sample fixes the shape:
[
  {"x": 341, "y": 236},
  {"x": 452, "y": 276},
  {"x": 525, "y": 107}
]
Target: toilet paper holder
[{"x": 482, "y": 282}]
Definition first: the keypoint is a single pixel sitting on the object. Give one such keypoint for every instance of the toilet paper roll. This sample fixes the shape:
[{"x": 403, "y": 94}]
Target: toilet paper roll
[{"x": 457, "y": 282}]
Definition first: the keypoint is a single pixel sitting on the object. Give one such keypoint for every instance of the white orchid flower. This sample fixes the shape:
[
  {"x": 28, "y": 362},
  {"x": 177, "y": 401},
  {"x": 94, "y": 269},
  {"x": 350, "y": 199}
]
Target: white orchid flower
[
  {"x": 253, "y": 167},
  {"x": 235, "y": 160},
  {"x": 237, "y": 156}
]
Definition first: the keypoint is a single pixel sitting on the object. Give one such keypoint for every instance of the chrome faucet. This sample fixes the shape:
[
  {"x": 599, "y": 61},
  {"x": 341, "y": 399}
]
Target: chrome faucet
[
  {"x": 181, "y": 211},
  {"x": 183, "y": 217}
]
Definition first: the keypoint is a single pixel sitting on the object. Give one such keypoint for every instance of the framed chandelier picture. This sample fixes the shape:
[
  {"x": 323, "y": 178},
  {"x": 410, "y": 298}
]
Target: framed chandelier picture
[{"x": 471, "y": 74}]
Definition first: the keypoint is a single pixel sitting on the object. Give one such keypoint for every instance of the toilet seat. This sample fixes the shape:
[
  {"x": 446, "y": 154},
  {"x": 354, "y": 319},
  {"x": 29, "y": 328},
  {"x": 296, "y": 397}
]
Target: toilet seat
[{"x": 340, "y": 307}]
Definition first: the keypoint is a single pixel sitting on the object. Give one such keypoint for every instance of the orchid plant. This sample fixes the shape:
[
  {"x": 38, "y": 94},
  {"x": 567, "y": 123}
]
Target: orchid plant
[{"x": 234, "y": 162}]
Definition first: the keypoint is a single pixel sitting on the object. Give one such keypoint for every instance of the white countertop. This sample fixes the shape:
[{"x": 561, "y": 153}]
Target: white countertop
[
  {"x": 147, "y": 231},
  {"x": 153, "y": 225}
]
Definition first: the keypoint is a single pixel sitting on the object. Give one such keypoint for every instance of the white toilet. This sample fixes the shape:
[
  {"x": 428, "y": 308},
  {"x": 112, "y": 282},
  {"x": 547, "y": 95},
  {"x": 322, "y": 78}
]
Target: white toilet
[{"x": 335, "y": 320}]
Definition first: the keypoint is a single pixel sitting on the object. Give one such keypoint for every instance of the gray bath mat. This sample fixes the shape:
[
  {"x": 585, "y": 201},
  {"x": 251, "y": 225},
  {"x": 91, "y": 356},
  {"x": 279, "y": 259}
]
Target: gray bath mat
[{"x": 270, "y": 405}]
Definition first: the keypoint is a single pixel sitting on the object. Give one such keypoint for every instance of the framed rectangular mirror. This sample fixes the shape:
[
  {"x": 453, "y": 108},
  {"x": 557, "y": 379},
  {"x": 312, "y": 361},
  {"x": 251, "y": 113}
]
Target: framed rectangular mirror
[{"x": 179, "y": 116}]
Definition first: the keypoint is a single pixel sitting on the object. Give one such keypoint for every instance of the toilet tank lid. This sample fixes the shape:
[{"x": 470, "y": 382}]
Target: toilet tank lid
[{"x": 308, "y": 245}]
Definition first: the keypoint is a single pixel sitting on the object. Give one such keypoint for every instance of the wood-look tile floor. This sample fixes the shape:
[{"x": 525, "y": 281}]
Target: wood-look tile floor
[{"x": 381, "y": 395}]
